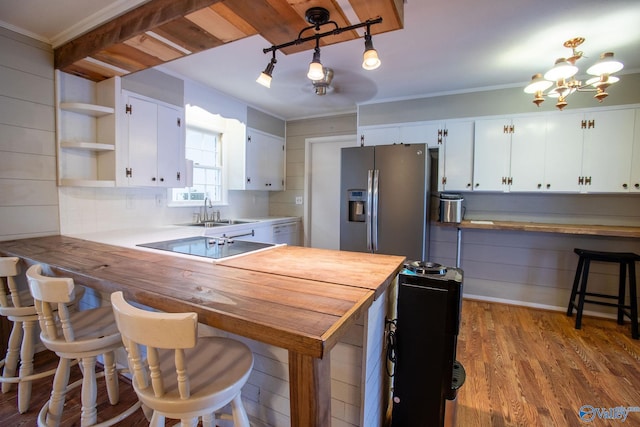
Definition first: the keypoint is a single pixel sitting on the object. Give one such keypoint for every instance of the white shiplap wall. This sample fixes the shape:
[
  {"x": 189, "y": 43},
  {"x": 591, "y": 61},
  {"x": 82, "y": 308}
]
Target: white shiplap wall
[{"x": 28, "y": 193}]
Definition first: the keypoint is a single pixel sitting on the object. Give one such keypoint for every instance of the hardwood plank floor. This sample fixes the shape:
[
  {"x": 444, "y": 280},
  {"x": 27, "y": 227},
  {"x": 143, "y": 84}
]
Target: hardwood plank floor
[
  {"x": 525, "y": 367},
  {"x": 531, "y": 367}
]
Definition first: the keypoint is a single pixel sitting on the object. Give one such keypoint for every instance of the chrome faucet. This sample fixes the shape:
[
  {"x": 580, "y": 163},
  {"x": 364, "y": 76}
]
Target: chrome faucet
[{"x": 205, "y": 218}]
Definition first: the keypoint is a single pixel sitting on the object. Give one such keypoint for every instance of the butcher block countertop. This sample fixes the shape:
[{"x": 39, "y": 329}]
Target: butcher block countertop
[
  {"x": 292, "y": 297},
  {"x": 594, "y": 230},
  {"x": 300, "y": 299}
]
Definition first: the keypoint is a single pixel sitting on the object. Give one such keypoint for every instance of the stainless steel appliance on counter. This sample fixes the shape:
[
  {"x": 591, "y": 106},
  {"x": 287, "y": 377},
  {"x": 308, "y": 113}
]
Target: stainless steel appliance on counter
[
  {"x": 427, "y": 375},
  {"x": 384, "y": 200}
]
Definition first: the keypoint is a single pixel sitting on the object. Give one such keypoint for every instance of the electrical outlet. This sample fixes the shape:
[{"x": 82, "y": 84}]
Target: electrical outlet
[{"x": 298, "y": 200}]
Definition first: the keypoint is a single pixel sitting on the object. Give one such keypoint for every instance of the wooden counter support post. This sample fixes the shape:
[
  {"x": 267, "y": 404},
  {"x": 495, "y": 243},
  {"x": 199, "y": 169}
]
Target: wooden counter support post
[{"x": 310, "y": 390}]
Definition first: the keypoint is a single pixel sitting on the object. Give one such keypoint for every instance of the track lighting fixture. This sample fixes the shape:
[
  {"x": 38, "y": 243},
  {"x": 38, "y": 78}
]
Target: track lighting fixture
[
  {"x": 563, "y": 72},
  {"x": 319, "y": 16}
]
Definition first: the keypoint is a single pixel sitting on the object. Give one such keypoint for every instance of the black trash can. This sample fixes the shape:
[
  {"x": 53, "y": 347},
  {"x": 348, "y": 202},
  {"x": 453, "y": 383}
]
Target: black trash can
[{"x": 451, "y": 404}]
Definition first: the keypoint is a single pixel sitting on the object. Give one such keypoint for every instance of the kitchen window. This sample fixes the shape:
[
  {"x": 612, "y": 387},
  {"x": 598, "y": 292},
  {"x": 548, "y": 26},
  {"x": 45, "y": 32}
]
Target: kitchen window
[{"x": 203, "y": 146}]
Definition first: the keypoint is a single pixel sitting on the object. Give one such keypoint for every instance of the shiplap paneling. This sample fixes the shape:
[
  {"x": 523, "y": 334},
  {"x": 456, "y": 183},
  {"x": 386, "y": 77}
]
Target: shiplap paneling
[
  {"x": 16, "y": 192},
  {"x": 28, "y": 194},
  {"x": 27, "y": 166},
  {"x": 26, "y": 54},
  {"x": 26, "y": 140}
]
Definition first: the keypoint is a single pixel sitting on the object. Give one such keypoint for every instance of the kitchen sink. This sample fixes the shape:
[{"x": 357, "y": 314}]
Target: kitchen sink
[{"x": 222, "y": 223}]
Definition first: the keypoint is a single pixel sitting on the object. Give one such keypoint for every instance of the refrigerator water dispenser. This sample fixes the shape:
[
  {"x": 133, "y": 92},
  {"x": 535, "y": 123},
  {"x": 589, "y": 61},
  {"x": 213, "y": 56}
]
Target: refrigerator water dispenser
[{"x": 357, "y": 205}]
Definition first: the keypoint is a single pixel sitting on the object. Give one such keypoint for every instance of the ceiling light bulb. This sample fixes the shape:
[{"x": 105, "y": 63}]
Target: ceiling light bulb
[
  {"x": 264, "y": 79},
  {"x": 561, "y": 70},
  {"x": 537, "y": 84},
  {"x": 370, "y": 60},
  {"x": 605, "y": 65},
  {"x": 316, "y": 71}
]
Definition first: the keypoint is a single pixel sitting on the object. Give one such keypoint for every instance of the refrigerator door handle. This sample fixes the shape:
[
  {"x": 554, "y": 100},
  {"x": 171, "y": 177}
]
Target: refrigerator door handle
[
  {"x": 368, "y": 209},
  {"x": 374, "y": 225}
]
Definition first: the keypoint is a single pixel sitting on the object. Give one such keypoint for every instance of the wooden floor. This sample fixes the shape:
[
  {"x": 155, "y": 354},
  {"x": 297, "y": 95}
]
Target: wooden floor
[
  {"x": 525, "y": 367},
  {"x": 530, "y": 367}
]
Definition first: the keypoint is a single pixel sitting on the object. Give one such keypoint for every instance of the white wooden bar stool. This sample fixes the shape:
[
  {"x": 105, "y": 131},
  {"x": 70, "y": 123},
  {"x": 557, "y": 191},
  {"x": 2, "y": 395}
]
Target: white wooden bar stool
[
  {"x": 81, "y": 335},
  {"x": 184, "y": 376},
  {"x": 18, "y": 307}
]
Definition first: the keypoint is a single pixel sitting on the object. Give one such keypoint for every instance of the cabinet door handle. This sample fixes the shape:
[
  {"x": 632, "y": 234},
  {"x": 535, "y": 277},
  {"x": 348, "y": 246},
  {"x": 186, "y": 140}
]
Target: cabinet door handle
[
  {"x": 580, "y": 180},
  {"x": 587, "y": 180}
]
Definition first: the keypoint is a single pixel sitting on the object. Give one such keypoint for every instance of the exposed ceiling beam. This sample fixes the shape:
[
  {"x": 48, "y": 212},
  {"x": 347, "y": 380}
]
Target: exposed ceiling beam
[{"x": 135, "y": 22}]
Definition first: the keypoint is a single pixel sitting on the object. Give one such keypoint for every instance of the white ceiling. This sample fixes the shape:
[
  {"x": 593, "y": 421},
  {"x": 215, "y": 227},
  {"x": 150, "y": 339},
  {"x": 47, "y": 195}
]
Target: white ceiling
[{"x": 445, "y": 47}]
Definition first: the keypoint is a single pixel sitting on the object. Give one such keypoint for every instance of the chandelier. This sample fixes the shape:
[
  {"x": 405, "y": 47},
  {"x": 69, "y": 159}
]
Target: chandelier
[
  {"x": 317, "y": 17},
  {"x": 562, "y": 75}
]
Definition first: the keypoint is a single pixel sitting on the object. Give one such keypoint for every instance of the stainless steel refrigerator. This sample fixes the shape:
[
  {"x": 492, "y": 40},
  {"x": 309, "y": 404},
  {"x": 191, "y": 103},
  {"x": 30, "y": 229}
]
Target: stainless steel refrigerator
[{"x": 384, "y": 200}]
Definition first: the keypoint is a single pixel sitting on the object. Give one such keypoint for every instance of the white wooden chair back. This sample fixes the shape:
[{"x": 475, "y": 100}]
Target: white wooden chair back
[
  {"x": 148, "y": 331},
  {"x": 51, "y": 295},
  {"x": 8, "y": 270}
]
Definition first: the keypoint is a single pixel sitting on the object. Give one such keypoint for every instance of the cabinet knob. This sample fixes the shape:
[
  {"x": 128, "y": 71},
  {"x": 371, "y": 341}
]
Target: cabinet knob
[
  {"x": 548, "y": 186},
  {"x": 161, "y": 179},
  {"x": 539, "y": 185},
  {"x": 153, "y": 179},
  {"x": 468, "y": 185},
  {"x": 477, "y": 185},
  {"x": 637, "y": 185}
]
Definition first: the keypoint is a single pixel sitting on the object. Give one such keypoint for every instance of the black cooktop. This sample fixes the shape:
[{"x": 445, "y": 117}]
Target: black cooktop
[{"x": 208, "y": 247}]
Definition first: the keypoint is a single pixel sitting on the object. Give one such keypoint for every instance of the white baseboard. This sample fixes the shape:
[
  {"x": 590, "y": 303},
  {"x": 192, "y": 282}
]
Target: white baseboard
[{"x": 535, "y": 305}]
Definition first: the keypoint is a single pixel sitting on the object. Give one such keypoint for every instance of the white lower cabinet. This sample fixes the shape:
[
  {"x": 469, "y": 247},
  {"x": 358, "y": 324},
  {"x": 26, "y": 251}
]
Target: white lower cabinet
[{"x": 153, "y": 151}]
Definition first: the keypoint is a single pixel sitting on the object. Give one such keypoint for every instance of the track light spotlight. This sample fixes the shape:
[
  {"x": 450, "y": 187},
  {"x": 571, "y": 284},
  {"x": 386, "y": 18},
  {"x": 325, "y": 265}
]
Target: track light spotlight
[
  {"x": 316, "y": 71},
  {"x": 370, "y": 60},
  {"x": 265, "y": 77}
]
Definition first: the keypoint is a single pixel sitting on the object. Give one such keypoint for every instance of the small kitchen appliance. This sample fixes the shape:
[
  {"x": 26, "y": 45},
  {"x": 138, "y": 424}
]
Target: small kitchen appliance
[
  {"x": 427, "y": 375},
  {"x": 451, "y": 209}
]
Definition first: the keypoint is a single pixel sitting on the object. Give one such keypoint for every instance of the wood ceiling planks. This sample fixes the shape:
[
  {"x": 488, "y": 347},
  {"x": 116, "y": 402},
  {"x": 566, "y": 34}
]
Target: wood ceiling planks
[{"x": 163, "y": 30}]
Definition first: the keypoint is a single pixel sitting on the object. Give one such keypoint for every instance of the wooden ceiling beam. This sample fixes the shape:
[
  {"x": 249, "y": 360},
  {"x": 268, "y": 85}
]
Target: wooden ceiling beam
[{"x": 135, "y": 22}]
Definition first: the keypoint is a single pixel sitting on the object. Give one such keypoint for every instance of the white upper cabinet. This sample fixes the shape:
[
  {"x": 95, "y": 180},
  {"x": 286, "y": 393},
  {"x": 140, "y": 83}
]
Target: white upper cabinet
[
  {"x": 257, "y": 162},
  {"x": 591, "y": 152},
  {"x": 153, "y": 152},
  {"x": 562, "y": 152},
  {"x": 395, "y": 134},
  {"x": 606, "y": 157},
  {"x": 509, "y": 154},
  {"x": 634, "y": 182},
  {"x": 455, "y": 156},
  {"x": 86, "y": 130}
]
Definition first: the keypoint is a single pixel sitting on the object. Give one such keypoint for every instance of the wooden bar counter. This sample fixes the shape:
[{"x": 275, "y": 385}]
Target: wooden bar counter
[{"x": 300, "y": 299}]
